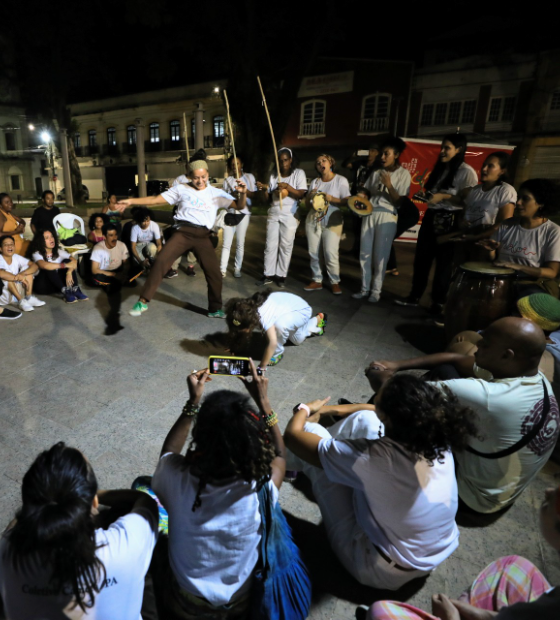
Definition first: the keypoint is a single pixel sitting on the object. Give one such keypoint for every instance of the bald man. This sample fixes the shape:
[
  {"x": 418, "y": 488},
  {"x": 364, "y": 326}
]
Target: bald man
[{"x": 502, "y": 383}]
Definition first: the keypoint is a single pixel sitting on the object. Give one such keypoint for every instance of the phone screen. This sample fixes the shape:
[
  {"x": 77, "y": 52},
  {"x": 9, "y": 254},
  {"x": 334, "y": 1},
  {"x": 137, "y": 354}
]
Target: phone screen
[{"x": 236, "y": 366}]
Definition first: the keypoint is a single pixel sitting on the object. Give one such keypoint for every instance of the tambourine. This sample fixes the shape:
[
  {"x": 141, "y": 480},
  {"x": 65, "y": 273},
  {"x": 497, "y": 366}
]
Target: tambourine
[
  {"x": 320, "y": 204},
  {"x": 360, "y": 206}
]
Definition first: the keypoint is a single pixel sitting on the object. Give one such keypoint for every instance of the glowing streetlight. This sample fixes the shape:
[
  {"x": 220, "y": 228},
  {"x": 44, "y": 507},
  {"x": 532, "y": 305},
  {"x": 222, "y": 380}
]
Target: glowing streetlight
[
  {"x": 216, "y": 89},
  {"x": 45, "y": 137},
  {"x": 31, "y": 127}
]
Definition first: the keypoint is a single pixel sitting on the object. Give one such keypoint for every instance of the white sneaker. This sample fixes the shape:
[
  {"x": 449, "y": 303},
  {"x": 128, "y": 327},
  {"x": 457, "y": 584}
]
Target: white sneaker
[
  {"x": 223, "y": 274},
  {"x": 373, "y": 299},
  {"x": 360, "y": 295},
  {"x": 33, "y": 301},
  {"x": 237, "y": 274},
  {"x": 25, "y": 305}
]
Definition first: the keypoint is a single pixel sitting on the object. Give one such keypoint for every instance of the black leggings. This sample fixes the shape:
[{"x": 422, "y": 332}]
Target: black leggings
[{"x": 48, "y": 282}]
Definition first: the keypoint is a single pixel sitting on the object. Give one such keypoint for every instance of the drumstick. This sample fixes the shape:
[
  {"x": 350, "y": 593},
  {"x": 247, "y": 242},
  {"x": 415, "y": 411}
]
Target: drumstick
[
  {"x": 231, "y": 134},
  {"x": 186, "y": 136},
  {"x": 273, "y": 139}
]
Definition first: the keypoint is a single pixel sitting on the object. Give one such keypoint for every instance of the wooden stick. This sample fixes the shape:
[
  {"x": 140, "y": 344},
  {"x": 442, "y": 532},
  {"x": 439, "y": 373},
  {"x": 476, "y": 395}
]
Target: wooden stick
[
  {"x": 186, "y": 136},
  {"x": 231, "y": 135},
  {"x": 273, "y": 140}
]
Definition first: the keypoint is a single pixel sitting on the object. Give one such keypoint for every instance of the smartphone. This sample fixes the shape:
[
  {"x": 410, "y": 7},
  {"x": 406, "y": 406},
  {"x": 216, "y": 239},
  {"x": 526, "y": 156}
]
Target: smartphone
[
  {"x": 229, "y": 366},
  {"x": 363, "y": 153}
]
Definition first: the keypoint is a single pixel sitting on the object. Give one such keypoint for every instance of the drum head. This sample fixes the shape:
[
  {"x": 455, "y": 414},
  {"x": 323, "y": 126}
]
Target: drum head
[
  {"x": 486, "y": 269},
  {"x": 360, "y": 206},
  {"x": 320, "y": 202}
]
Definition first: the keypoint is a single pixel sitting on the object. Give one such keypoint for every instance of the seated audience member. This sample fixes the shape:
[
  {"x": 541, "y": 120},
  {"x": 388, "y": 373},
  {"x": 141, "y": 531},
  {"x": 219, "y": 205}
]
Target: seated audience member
[
  {"x": 16, "y": 274},
  {"x": 145, "y": 237},
  {"x": 510, "y": 396},
  {"x": 110, "y": 270},
  {"x": 11, "y": 224},
  {"x": 211, "y": 497},
  {"x": 385, "y": 480},
  {"x": 510, "y": 588},
  {"x": 530, "y": 243},
  {"x": 282, "y": 316},
  {"x": 54, "y": 563},
  {"x": 44, "y": 215},
  {"x": 115, "y": 215},
  {"x": 57, "y": 269},
  {"x": 96, "y": 223}
]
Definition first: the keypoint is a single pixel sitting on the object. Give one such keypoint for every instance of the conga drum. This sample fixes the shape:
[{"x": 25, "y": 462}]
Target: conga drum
[{"x": 479, "y": 295}]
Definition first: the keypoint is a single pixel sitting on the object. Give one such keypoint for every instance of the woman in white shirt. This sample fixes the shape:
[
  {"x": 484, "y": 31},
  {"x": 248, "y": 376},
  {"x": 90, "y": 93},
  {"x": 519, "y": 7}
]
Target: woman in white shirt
[
  {"x": 326, "y": 229},
  {"x": 57, "y": 269},
  {"x": 54, "y": 563},
  {"x": 197, "y": 205},
  {"x": 281, "y": 316},
  {"x": 240, "y": 229},
  {"x": 385, "y": 479},
  {"x": 211, "y": 496},
  {"x": 386, "y": 186},
  {"x": 449, "y": 176},
  {"x": 17, "y": 276},
  {"x": 282, "y": 222}
]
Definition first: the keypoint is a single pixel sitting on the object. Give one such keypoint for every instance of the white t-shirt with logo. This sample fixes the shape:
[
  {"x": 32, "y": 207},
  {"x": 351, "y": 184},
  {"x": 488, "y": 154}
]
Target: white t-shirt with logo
[
  {"x": 62, "y": 255},
  {"x": 197, "y": 206},
  {"x": 296, "y": 180},
  {"x": 380, "y": 199},
  {"x": 19, "y": 264},
  {"x": 405, "y": 506},
  {"x": 139, "y": 235},
  {"x": 482, "y": 207},
  {"x": 507, "y": 410},
  {"x": 213, "y": 551},
  {"x": 126, "y": 551},
  {"x": 277, "y": 305},
  {"x": 530, "y": 247},
  {"x": 230, "y": 184},
  {"x": 464, "y": 177},
  {"x": 338, "y": 187},
  {"x": 109, "y": 259}
]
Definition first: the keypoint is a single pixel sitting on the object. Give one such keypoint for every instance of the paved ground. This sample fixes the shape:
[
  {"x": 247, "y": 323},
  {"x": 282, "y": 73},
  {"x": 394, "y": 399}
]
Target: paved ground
[{"x": 116, "y": 397}]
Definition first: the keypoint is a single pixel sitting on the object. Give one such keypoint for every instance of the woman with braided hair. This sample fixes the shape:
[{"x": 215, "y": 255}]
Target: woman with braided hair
[
  {"x": 281, "y": 316},
  {"x": 54, "y": 563},
  {"x": 211, "y": 496}
]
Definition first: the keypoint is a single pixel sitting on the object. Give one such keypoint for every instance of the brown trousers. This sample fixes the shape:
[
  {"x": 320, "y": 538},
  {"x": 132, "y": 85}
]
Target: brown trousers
[{"x": 183, "y": 240}]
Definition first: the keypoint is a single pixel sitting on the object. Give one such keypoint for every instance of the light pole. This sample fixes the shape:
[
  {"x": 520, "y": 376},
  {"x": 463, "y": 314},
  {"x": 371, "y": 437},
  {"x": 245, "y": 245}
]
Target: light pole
[{"x": 49, "y": 151}]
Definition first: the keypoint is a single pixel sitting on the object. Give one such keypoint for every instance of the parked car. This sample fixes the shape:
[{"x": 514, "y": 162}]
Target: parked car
[
  {"x": 62, "y": 193},
  {"x": 153, "y": 188}
]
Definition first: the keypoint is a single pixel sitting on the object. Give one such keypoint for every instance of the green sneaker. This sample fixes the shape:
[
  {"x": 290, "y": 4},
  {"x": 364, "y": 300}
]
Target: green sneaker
[
  {"x": 138, "y": 308},
  {"x": 219, "y": 314},
  {"x": 321, "y": 323},
  {"x": 275, "y": 360}
]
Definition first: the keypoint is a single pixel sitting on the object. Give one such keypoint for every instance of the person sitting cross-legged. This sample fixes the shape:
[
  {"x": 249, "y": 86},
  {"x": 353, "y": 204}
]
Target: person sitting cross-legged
[
  {"x": 16, "y": 275},
  {"x": 518, "y": 414},
  {"x": 385, "y": 479}
]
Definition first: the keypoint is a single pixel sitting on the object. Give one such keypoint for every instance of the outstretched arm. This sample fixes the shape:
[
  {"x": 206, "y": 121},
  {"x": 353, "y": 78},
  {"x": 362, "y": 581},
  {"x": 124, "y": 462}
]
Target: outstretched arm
[{"x": 301, "y": 443}]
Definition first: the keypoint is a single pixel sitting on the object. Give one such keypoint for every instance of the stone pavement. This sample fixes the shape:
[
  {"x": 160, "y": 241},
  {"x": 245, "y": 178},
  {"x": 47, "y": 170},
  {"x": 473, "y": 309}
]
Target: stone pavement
[{"x": 116, "y": 397}]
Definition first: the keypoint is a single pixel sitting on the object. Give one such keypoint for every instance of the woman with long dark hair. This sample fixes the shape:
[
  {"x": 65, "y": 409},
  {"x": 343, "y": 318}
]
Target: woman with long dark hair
[
  {"x": 385, "y": 480},
  {"x": 281, "y": 316},
  {"x": 54, "y": 563},
  {"x": 57, "y": 269},
  {"x": 449, "y": 176}
]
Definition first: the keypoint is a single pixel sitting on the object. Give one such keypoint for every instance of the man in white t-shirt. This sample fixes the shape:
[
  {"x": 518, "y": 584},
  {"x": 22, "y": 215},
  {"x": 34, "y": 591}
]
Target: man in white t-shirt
[
  {"x": 502, "y": 384},
  {"x": 16, "y": 279}
]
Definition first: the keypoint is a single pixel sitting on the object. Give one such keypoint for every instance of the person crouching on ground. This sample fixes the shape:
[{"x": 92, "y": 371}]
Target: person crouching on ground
[{"x": 145, "y": 238}]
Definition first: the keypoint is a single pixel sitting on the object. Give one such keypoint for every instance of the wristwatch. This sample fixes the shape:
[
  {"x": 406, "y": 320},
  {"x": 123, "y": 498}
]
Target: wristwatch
[{"x": 302, "y": 406}]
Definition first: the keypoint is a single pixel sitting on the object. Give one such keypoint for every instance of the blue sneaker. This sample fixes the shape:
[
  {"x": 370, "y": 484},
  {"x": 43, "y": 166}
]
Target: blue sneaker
[
  {"x": 78, "y": 294},
  {"x": 69, "y": 296},
  {"x": 219, "y": 314},
  {"x": 275, "y": 360}
]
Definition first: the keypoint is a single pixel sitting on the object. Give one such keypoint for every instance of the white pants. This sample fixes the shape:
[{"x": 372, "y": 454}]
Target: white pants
[
  {"x": 378, "y": 233},
  {"x": 281, "y": 229},
  {"x": 336, "y": 502},
  {"x": 229, "y": 232},
  {"x": 293, "y": 326},
  {"x": 330, "y": 239}
]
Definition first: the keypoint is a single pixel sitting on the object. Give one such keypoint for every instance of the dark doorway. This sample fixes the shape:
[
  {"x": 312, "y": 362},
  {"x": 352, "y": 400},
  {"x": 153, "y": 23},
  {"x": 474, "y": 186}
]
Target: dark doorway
[
  {"x": 38, "y": 186},
  {"x": 120, "y": 179}
]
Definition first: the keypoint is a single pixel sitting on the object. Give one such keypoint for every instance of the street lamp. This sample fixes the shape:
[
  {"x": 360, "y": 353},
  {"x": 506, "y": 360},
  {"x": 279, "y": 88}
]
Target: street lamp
[{"x": 45, "y": 137}]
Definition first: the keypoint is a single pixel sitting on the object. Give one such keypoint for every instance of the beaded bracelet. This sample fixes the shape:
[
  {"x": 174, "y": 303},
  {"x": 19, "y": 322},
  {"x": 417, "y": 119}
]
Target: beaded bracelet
[
  {"x": 190, "y": 410},
  {"x": 271, "y": 419}
]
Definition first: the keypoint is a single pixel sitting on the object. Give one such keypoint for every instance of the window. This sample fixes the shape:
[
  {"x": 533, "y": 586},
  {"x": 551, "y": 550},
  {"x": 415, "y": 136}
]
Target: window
[
  {"x": 175, "y": 131},
  {"x": 375, "y": 112},
  {"x": 313, "y": 118},
  {"x": 111, "y": 136},
  {"x": 193, "y": 127},
  {"x": 15, "y": 181},
  {"x": 555, "y": 101},
  {"x": 427, "y": 114},
  {"x": 469, "y": 108},
  {"x": 154, "y": 132},
  {"x": 10, "y": 141},
  {"x": 501, "y": 109},
  {"x": 131, "y": 134},
  {"x": 92, "y": 137},
  {"x": 452, "y": 113},
  {"x": 440, "y": 116},
  {"x": 77, "y": 140},
  {"x": 16, "y": 178},
  {"x": 218, "y": 123}
]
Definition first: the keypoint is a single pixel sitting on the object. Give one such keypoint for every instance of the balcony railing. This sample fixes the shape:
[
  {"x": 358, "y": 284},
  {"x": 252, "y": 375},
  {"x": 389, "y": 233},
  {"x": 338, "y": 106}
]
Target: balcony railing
[
  {"x": 110, "y": 149},
  {"x": 128, "y": 148},
  {"x": 312, "y": 129},
  {"x": 374, "y": 124}
]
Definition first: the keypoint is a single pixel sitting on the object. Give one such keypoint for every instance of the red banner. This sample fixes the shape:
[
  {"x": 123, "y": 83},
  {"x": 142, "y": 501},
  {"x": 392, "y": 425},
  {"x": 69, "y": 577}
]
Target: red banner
[{"x": 420, "y": 157}]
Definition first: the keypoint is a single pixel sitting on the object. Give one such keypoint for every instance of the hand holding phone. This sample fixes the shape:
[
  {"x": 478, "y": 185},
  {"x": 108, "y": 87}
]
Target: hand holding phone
[
  {"x": 230, "y": 366},
  {"x": 257, "y": 386}
]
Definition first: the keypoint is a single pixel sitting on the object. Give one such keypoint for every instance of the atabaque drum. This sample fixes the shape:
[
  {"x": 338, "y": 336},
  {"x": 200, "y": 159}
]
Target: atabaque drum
[{"x": 479, "y": 295}]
